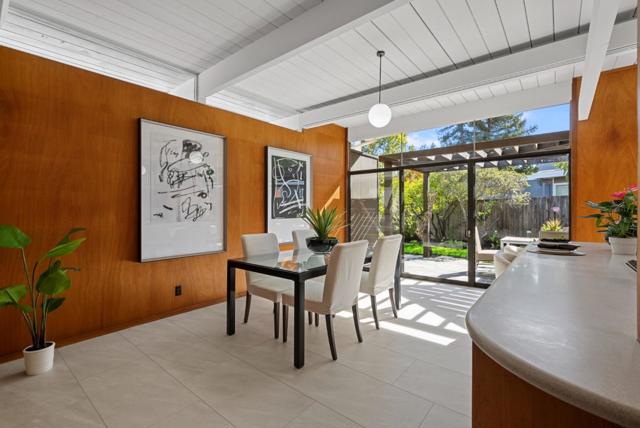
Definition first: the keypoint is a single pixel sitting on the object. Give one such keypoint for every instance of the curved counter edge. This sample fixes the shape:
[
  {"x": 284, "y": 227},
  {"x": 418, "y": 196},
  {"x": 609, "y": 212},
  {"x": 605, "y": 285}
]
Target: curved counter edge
[{"x": 560, "y": 387}]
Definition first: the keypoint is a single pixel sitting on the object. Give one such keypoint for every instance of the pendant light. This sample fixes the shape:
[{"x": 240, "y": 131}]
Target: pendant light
[{"x": 380, "y": 114}]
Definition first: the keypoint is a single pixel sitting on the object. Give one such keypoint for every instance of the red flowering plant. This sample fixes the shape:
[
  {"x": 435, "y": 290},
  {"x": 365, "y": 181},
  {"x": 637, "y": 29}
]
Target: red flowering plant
[{"x": 618, "y": 218}]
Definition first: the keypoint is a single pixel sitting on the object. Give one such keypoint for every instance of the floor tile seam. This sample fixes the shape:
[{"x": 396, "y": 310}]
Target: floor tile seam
[
  {"x": 197, "y": 396},
  {"x": 93, "y": 406}
]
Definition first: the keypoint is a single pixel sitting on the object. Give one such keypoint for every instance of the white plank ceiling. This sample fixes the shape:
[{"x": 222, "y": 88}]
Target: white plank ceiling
[
  {"x": 531, "y": 81},
  {"x": 155, "y": 43},
  {"x": 421, "y": 38},
  {"x": 162, "y": 43}
]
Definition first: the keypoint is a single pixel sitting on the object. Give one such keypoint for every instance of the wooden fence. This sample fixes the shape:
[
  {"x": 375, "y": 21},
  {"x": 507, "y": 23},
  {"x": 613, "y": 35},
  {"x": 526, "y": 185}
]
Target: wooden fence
[{"x": 505, "y": 219}]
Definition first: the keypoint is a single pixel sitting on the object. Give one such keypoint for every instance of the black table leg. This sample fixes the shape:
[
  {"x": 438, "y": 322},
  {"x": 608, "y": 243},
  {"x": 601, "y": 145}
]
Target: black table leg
[
  {"x": 298, "y": 324},
  {"x": 231, "y": 300}
]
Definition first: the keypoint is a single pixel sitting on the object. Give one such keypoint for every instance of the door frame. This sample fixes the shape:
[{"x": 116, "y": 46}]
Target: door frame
[{"x": 471, "y": 203}]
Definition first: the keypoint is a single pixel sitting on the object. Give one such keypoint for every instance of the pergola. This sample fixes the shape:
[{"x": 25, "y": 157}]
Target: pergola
[
  {"x": 494, "y": 153},
  {"x": 516, "y": 151}
]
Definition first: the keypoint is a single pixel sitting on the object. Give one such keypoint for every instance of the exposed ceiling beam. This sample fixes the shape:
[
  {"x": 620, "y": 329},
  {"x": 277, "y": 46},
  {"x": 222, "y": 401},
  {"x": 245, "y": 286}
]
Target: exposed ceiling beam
[
  {"x": 603, "y": 18},
  {"x": 4, "y": 10},
  {"x": 529, "y": 99},
  {"x": 567, "y": 51},
  {"x": 318, "y": 24}
]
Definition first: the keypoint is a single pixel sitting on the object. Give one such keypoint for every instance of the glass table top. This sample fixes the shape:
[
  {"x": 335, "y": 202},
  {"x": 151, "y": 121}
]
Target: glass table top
[{"x": 291, "y": 260}]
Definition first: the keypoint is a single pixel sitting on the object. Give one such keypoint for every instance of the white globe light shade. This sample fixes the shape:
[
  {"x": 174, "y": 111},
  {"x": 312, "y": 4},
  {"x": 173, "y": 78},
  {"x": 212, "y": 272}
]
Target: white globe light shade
[{"x": 379, "y": 115}]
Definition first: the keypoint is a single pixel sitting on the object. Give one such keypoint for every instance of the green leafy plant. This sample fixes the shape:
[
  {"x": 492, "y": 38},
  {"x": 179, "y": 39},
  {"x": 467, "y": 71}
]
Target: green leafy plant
[
  {"x": 324, "y": 222},
  {"x": 617, "y": 218},
  {"x": 553, "y": 225},
  {"x": 494, "y": 239},
  {"x": 43, "y": 291}
]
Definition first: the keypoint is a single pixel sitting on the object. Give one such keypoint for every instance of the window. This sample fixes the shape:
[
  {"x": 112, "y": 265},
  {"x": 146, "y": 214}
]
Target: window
[{"x": 561, "y": 189}]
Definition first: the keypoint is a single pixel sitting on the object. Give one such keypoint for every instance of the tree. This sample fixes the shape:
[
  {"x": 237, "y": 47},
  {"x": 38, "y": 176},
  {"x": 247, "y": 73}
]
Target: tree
[
  {"x": 563, "y": 165},
  {"x": 388, "y": 145},
  {"x": 494, "y": 128},
  {"x": 448, "y": 199}
]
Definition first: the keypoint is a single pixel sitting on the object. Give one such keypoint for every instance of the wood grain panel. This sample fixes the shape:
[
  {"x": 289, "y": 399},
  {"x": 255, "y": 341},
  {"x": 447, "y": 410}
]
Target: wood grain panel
[
  {"x": 503, "y": 400},
  {"x": 69, "y": 157},
  {"x": 604, "y": 151}
]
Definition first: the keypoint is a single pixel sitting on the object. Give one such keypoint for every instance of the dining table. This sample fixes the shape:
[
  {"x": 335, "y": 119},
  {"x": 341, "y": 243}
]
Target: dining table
[{"x": 297, "y": 266}]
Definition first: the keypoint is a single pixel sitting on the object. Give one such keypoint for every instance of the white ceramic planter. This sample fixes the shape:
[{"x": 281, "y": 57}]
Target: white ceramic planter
[
  {"x": 623, "y": 246},
  {"x": 40, "y": 361},
  {"x": 553, "y": 234}
]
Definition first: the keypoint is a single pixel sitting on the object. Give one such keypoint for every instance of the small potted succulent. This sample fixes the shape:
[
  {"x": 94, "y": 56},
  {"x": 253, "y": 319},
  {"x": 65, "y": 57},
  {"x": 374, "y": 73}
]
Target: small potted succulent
[
  {"x": 618, "y": 220},
  {"x": 324, "y": 223},
  {"x": 552, "y": 229},
  {"x": 44, "y": 284}
]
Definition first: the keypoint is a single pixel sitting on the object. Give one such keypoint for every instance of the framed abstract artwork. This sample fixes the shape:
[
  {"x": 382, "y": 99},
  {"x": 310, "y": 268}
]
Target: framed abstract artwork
[
  {"x": 289, "y": 192},
  {"x": 182, "y": 192}
]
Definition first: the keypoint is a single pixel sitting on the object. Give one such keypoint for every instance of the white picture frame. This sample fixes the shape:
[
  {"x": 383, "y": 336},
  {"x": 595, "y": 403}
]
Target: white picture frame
[
  {"x": 182, "y": 192},
  {"x": 289, "y": 192}
]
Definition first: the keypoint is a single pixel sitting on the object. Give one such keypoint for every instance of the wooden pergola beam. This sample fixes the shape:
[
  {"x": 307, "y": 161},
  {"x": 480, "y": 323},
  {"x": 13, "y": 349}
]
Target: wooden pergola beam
[{"x": 548, "y": 140}]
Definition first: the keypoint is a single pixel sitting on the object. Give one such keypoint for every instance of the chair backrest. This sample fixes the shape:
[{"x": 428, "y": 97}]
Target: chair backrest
[
  {"x": 256, "y": 244},
  {"x": 300, "y": 237},
  {"x": 384, "y": 260},
  {"x": 478, "y": 241},
  {"x": 501, "y": 263},
  {"x": 342, "y": 282},
  {"x": 511, "y": 252}
]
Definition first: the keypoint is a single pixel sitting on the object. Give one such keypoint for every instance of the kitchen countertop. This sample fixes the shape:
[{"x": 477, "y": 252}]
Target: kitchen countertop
[{"x": 567, "y": 325}]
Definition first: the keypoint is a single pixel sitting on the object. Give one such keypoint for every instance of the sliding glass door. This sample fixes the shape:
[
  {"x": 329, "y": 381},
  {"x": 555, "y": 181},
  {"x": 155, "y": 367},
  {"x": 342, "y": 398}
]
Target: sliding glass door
[
  {"x": 436, "y": 223},
  {"x": 374, "y": 205},
  {"x": 456, "y": 206},
  {"x": 514, "y": 200}
]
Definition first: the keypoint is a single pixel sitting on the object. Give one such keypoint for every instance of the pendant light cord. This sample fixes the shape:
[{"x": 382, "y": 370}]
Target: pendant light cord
[{"x": 380, "y": 80}]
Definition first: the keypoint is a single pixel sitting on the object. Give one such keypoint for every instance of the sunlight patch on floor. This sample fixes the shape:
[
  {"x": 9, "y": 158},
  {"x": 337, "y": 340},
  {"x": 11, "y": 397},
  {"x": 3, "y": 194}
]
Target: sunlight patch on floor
[{"x": 418, "y": 334}]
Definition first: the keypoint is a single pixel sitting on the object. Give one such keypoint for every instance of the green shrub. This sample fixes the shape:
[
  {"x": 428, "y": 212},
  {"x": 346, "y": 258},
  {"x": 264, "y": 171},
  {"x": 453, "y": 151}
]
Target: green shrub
[{"x": 415, "y": 248}]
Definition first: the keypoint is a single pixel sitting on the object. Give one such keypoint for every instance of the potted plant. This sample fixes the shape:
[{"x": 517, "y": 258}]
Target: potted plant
[
  {"x": 44, "y": 283},
  {"x": 324, "y": 223},
  {"x": 552, "y": 228},
  {"x": 618, "y": 220}
]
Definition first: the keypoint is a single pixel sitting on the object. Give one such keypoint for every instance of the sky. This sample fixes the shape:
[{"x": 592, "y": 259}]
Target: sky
[{"x": 548, "y": 119}]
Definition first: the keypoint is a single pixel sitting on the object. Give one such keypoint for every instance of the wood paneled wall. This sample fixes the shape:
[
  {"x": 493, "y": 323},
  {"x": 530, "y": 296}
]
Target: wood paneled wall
[
  {"x": 604, "y": 147},
  {"x": 503, "y": 400},
  {"x": 69, "y": 157}
]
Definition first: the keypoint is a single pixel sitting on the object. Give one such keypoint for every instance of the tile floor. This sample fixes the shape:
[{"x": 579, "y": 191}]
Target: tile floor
[{"x": 185, "y": 372}]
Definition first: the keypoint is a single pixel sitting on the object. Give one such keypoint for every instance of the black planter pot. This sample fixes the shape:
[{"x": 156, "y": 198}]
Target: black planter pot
[{"x": 321, "y": 245}]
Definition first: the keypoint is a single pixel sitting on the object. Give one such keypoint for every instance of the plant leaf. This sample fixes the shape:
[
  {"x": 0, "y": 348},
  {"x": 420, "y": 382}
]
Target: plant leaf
[
  {"x": 67, "y": 237},
  {"x": 53, "y": 281},
  {"x": 53, "y": 303},
  {"x": 12, "y": 237},
  {"x": 12, "y": 294},
  {"x": 64, "y": 249}
]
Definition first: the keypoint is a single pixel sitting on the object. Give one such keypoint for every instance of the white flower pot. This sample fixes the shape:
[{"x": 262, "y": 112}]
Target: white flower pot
[
  {"x": 39, "y": 361},
  {"x": 623, "y": 246},
  {"x": 553, "y": 234}
]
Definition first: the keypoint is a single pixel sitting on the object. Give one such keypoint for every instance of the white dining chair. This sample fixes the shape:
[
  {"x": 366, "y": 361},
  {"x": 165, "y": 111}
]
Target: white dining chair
[
  {"x": 300, "y": 242},
  {"x": 300, "y": 238},
  {"x": 265, "y": 286},
  {"x": 336, "y": 291},
  {"x": 381, "y": 275},
  {"x": 503, "y": 259},
  {"x": 511, "y": 251},
  {"x": 500, "y": 263}
]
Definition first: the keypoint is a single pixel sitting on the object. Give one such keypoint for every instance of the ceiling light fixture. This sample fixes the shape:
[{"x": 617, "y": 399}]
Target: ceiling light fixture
[{"x": 380, "y": 114}]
